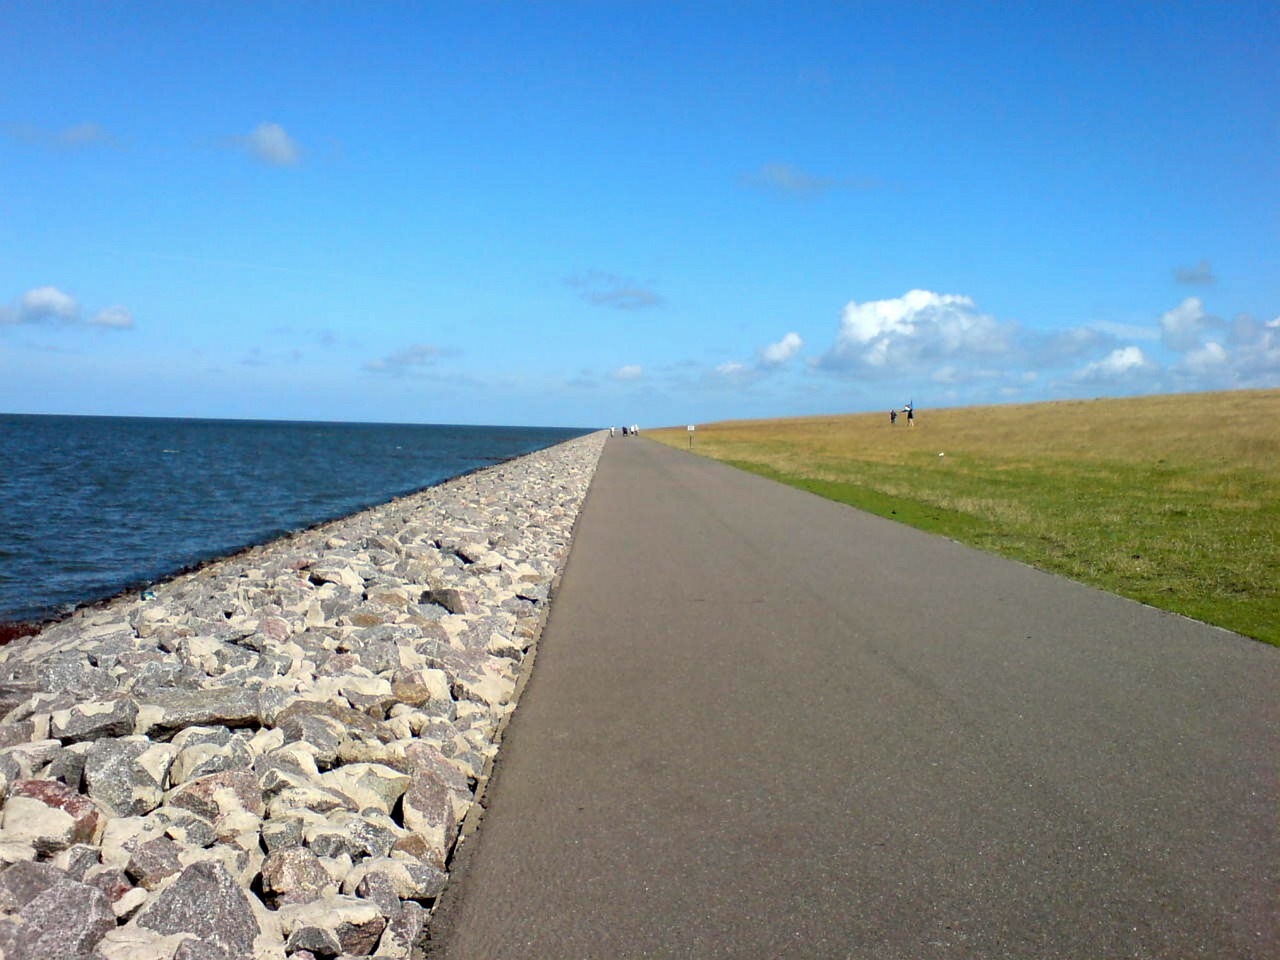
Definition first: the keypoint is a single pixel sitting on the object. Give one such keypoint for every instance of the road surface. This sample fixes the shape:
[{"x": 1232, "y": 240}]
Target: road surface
[{"x": 762, "y": 724}]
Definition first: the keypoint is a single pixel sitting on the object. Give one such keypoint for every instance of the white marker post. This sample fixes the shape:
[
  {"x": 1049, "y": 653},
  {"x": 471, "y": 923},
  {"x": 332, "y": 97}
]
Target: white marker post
[{"x": 691, "y": 429}]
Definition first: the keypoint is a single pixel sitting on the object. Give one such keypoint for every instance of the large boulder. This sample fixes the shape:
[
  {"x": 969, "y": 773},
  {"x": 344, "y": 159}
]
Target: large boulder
[
  {"x": 63, "y": 921},
  {"x": 205, "y": 902},
  {"x": 94, "y": 719}
]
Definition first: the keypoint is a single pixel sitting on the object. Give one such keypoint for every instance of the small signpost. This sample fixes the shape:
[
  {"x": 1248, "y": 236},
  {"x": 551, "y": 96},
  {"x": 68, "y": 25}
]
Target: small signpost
[{"x": 691, "y": 429}]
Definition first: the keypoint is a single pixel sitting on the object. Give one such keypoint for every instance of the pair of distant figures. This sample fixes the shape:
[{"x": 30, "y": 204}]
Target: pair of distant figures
[
  {"x": 630, "y": 431},
  {"x": 909, "y": 410}
]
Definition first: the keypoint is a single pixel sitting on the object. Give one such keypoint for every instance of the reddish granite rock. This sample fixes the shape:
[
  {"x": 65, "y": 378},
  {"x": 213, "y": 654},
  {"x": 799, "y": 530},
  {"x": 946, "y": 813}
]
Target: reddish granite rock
[
  {"x": 214, "y": 796},
  {"x": 83, "y": 812}
]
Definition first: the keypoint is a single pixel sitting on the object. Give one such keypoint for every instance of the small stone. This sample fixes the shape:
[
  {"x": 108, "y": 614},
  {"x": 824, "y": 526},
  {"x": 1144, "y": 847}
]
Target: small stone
[
  {"x": 350, "y": 834},
  {"x": 187, "y": 828},
  {"x": 409, "y": 879},
  {"x": 76, "y": 860},
  {"x": 353, "y": 925},
  {"x": 295, "y": 875},
  {"x": 428, "y": 813},
  {"x": 153, "y": 861},
  {"x": 201, "y": 759},
  {"x": 30, "y": 757},
  {"x": 368, "y": 784},
  {"x": 112, "y": 881},
  {"x": 282, "y": 833},
  {"x": 455, "y": 601},
  {"x": 293, "y": 800},
  {"x": 127, "y": 904},
  {"x": 222, "y": 798},
  {"x": 405, "y": 934},
  {"x": 368, "y": 693}
]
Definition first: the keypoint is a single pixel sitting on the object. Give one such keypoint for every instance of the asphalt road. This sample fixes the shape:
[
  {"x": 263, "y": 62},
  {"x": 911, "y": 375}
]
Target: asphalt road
[{"x": 764, "y": 725}]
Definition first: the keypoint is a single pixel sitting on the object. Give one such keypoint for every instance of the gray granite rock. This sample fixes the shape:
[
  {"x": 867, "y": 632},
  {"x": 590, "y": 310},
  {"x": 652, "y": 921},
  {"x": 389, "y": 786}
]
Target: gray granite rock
[
  {"x": 127, "y": 774},
  {"x": 20, "y": 883},
  {"x": 351, "y": 925},
  {"x": 228, "y": 706},
  {"x": 429, "y": 814},
  {"x": 218, "y": 796},
  {"x": 405, "y": 934},
  {"x": 64, "y": 921},
  {"x": 208, "y": 903},
  {"x": 94, "y": 719},
  {"x": 201, "y": 759},
  {"x": 186, "y": 827},
  {"x": 76, "y": 860},
  {"x": 355, "y": 835}
]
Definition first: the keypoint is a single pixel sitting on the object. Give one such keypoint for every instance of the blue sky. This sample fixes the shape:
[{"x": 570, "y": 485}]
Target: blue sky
[{"x": 594, "y": 213}]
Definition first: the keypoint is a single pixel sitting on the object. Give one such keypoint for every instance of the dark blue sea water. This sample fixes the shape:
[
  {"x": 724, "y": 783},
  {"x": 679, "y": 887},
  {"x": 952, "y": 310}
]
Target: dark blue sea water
[{"x": 91, "y": 506}]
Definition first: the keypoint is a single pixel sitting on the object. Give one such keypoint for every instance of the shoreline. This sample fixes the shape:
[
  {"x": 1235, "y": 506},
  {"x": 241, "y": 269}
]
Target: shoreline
[
  {"x": 13, "y": 629},
  {"x": 274, "y": 754}
]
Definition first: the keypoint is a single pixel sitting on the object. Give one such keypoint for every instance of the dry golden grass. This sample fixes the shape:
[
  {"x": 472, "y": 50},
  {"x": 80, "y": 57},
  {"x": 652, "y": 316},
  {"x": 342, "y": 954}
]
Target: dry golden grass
[{"x": 1173, "y": 500}]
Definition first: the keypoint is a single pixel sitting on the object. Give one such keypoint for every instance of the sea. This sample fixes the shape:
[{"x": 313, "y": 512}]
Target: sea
[{"x": 94, "y": 506}]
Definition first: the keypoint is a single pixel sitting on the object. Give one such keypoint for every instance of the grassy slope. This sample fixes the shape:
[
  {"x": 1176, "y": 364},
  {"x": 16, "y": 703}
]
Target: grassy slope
[{"x": 1170, "y": 500}]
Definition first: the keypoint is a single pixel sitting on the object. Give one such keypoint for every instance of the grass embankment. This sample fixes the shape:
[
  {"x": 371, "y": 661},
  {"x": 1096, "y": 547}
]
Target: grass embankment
[{"x": 1170, "y": 500}]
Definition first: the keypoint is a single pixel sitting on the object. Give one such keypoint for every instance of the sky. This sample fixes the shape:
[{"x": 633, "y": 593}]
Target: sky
[{"x": 583, "y": 214}]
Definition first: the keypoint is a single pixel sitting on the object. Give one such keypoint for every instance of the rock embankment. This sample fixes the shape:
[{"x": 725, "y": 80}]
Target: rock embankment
[{"x": 272, "y": 756}]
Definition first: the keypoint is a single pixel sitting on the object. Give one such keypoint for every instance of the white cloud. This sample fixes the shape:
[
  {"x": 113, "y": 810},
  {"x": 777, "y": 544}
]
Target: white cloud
[
  {"x": 912, "y": 333},
  {"x": 405, "y": 360},
  {"x": 1252, "y": 351},
  {"x": 632, "y": 371},
  {"x": 769, "y": 360},
  {"x": 1182, "y": 328},
  {"x": 1210, "y": 359},
  {"x": 269, "y": 143},
  {"x": 776, "y": 354},
  {"x": 733, "y": 370},
  {"x": 44, "y": 304},
  {"x": 118, "y": 318},
  {"x": 1116, "y": 365}
]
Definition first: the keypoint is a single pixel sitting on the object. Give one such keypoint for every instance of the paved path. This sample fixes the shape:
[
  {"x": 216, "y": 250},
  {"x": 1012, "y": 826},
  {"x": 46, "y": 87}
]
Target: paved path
[{"x": 765, "y": 725}]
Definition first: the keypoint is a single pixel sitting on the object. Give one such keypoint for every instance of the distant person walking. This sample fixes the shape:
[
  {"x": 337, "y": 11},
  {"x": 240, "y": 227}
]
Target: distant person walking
[{"x": 893, "y": 416}]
